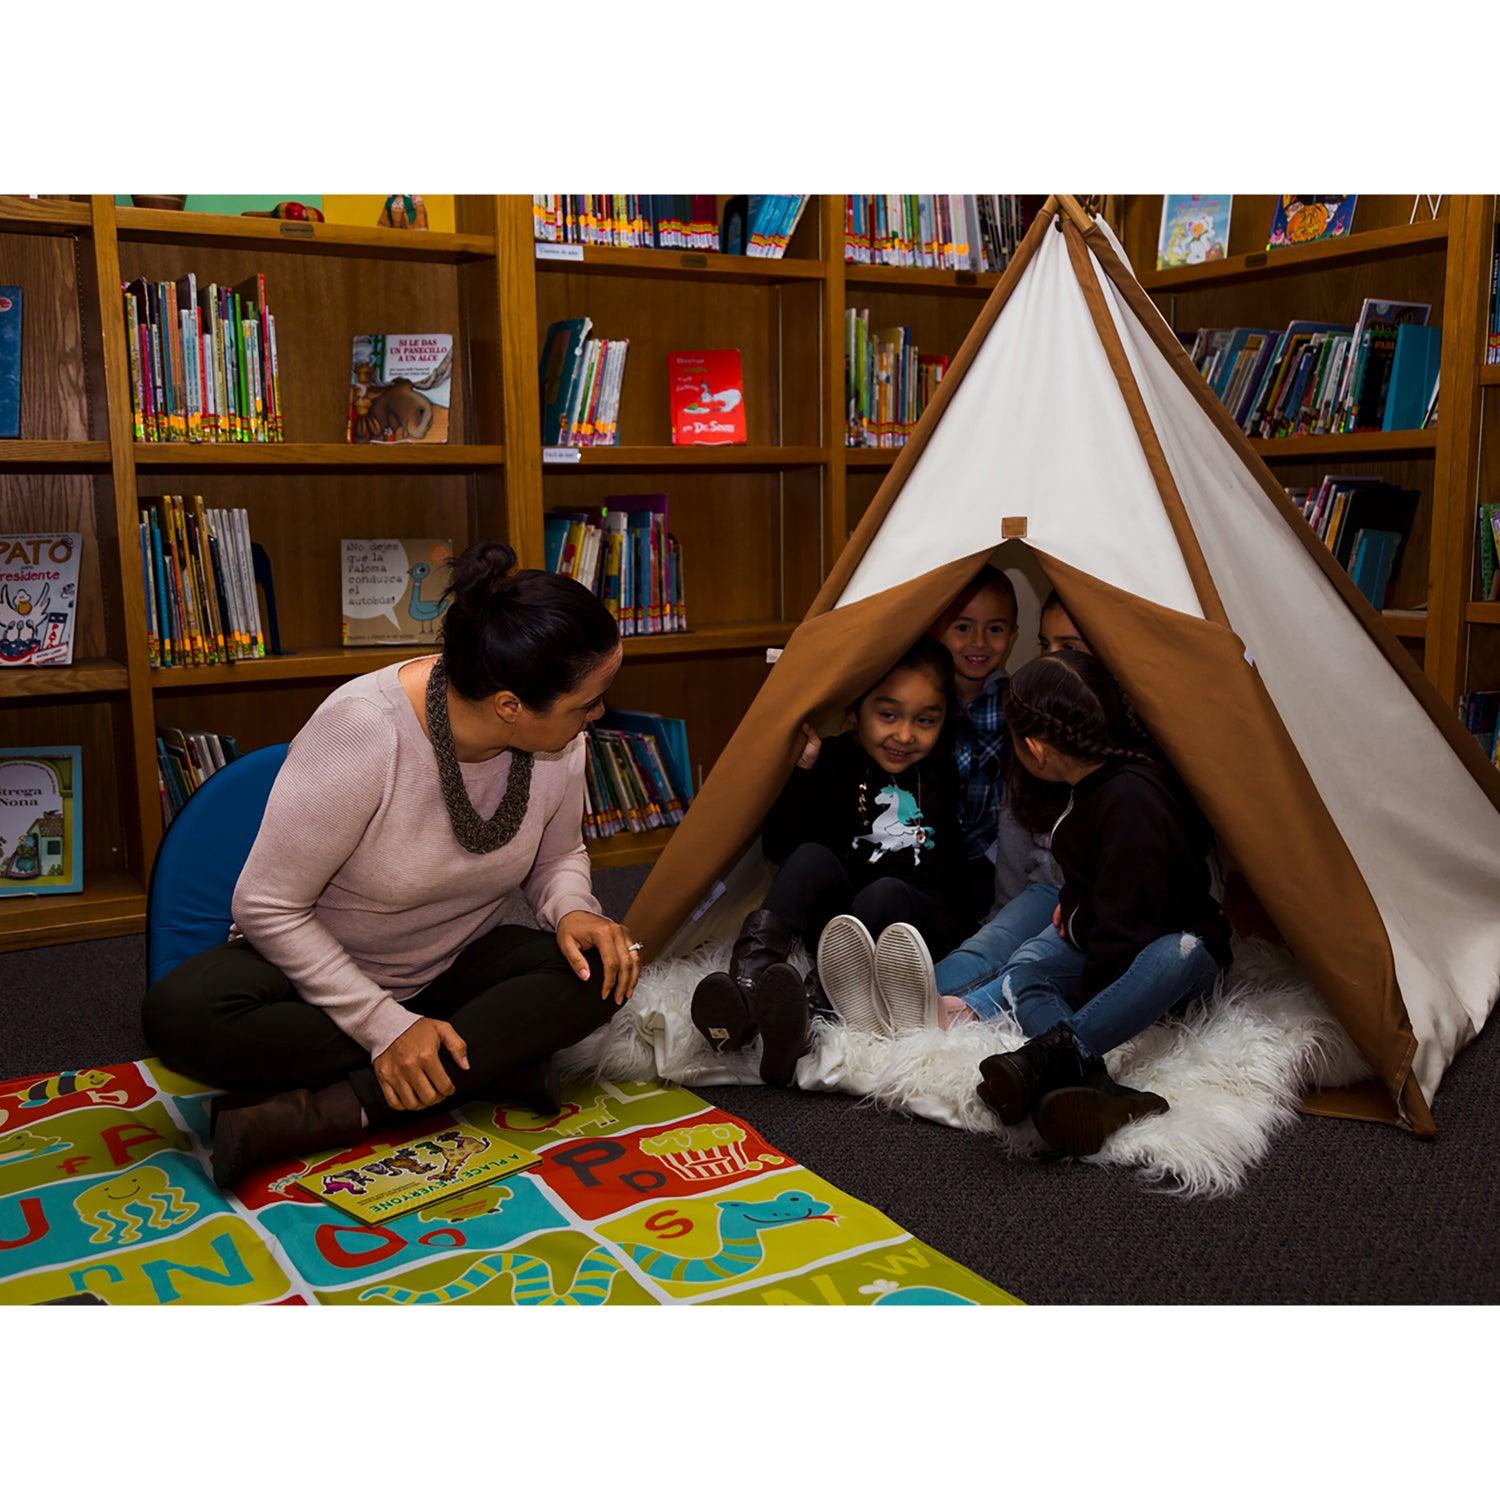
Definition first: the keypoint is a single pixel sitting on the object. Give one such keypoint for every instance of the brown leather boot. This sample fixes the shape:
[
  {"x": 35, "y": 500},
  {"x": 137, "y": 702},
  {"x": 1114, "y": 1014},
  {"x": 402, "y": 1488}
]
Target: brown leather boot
[{"x": 284, "y": 1126}]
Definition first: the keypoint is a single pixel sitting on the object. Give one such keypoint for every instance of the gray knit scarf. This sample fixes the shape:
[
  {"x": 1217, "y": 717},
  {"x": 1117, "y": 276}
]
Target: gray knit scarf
[{"x": 477, "y": 835}]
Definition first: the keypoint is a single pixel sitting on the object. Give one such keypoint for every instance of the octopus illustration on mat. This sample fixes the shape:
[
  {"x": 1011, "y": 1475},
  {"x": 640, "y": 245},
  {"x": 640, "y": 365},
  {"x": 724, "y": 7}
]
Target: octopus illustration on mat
[
  {"x": 899, "y": 827},
  {"x": 116, "y": 1208}
]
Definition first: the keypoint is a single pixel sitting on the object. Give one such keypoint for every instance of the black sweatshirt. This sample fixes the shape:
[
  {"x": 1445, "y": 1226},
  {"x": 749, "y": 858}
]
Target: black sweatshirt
[
  {"x": 837, "y": 804},
  {"x": 1133, "y": 847}
]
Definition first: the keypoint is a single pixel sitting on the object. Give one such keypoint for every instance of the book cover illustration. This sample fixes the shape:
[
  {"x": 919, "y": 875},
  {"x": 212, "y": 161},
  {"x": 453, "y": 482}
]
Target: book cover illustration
[
  {"x": 393, "y": 590},
  {"x": 1301, "y": 218},
  {"x": 38, "y": 598},
  {"x": 378, "y": 1183},
  {"x": 1194, "y": 229},
  {"x": 400, "y": 387},
  {"x": 10, "y": 361},
  {"x": 41, "y": 821},
  {"x": 706, "y": 389}
]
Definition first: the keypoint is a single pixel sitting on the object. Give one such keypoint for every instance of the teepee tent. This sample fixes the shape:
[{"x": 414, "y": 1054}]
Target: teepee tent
[{"x": 1362, "y": 816}]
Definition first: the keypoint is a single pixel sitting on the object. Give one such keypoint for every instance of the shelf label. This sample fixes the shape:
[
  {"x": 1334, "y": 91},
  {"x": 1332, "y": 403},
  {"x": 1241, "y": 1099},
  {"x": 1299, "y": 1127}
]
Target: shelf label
[
  {"x": 695, "y": 262},
  {"x": 559, "y": 252},
  {"x": 294, "y": 229},
  {"x": 965, "y": 278},
  {"x": 561, "y": 455}
]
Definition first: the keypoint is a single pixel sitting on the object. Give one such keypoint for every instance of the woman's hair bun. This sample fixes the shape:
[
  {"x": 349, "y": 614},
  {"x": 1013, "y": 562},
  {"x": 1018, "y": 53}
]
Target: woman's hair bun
[{"x": 480, "y": 573}]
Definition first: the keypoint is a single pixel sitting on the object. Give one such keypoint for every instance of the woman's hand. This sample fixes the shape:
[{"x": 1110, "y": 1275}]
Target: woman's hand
[
  {"x": 809, "y": 757},
  {"x": 622, "y": 966},
  {"x": 411, "y": 1073}
]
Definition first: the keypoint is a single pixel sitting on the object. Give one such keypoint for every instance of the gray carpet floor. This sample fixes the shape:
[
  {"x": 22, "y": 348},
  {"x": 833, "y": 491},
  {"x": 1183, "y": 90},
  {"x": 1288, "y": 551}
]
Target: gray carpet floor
[{"x": 1339, "y": 1212}]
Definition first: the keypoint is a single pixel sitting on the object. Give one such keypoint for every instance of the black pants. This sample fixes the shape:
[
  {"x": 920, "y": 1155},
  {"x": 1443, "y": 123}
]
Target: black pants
[
  {"x": 232, "y": 1019},
  {"x": 812, "y": 887}
]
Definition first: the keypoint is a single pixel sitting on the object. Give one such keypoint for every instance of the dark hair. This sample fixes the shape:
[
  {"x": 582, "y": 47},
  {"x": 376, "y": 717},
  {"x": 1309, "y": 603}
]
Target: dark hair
[
  {"x": 988, "y": 577},
  {"x": 1052, "y": 601},
  {"x": 930, "y": 656},
  {"x": 537, "y": 634},
  {"x": 1070, "y": 701}
]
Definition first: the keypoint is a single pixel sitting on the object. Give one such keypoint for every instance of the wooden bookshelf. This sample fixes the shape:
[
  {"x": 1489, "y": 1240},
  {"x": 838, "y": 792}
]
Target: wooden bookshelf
[
  {"x": 19, "y": 454},
  {"x": 729, "y": 457},
  {"x": 1346, "y": 445},
  {"x": 676, "y": 265},
  {"x": 363, "y": 456}
]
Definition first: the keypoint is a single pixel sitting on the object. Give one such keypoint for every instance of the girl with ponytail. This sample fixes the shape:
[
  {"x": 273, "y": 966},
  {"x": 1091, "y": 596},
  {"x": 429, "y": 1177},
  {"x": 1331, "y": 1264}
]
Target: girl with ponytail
[{"x": 369, "y": 975}]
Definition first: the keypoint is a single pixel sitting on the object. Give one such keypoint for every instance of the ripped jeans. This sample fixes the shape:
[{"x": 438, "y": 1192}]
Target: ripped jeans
[{"x": 1044, "y": 974}]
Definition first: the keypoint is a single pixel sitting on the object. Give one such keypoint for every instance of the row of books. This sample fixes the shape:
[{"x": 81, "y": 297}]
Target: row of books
[
  {"x": 1492, "y": 342},
  {"x": 201, "y": 603},
  {"x": 624, "y": 553},
  {"x": 1481, "y": 715},
  {"x": 203, "y": 362},
  {"x": 1489, "y": 551},
  {"x": 185, "y": 759},
  {"x": 941, "y": 231},
  {"x": 1376, "y": 374},
  {"x": 1195, "y": 226},
  {"x": 770, "y": 222},
  {"x": 632, "y": 221},
  {"x": 1365, "y": 523},
  {"x": 887, "y": 382},
  {"x": 581, "y": 382},
  {"x": 637, "y": 774}
]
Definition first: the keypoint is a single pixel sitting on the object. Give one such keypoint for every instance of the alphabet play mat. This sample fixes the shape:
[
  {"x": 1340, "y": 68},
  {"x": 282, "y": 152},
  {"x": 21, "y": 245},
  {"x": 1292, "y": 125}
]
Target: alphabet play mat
[{"x": 642, "y": 1193}]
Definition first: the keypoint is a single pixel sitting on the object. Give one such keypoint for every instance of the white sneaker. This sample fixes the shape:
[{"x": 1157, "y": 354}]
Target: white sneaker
[
  {"x": 846, "y": 970},
  {"x": 904, "y": 979}
]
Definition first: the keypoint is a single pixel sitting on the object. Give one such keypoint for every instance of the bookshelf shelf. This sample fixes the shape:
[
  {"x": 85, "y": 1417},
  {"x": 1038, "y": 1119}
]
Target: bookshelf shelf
[
  {"x": 110, "y": 905},
  {"x": 712, "y": 640},
  {"x": 328, "y": 456},
  {"x": 1409, "y": 624},
  {"x": 1489, "y": 374},
  {"x": 627, "y": 848},
  {"x": 1346, "y": 445},
  {"x": 1483, "y": 613},
  {"x": 918, "y": 279},
  {"x": 22, "y": 215},
  {"x": 665, "y": 456},
  {"x": 870, "y": 458},
  {"x": 19, "y": 454},
  {"x": 90, "y": 677},
  {"x": 226, "y": 230},
  {"x": 317, "y": 663},
  {"x": 700, "y": 265},
  {"x": 1366, "y": 245}
]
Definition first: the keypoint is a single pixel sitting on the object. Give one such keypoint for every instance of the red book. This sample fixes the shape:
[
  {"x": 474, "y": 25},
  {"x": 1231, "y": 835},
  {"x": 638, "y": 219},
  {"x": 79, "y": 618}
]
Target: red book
[{"x": 706, "y": 389}]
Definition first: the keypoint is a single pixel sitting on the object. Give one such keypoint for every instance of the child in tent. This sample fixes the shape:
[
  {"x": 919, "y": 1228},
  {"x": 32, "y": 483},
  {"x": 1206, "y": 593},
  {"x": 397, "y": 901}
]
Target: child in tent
[
  {"x": 1136, "y": 932},
  {"x": 1056, "y": 630},
  {"x": 867, "y": 826}
]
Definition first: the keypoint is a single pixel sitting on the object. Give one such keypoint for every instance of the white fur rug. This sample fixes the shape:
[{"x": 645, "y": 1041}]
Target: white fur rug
[{"x": 1233, "y": 1067}]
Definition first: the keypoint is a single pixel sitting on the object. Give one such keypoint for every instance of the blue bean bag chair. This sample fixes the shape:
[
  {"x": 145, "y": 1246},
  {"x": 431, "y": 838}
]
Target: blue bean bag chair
[{"x": 200, "y": 859}]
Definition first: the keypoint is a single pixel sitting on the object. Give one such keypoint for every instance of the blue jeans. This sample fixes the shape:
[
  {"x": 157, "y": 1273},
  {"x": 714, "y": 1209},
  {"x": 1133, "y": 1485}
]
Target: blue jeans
[
  {"x": 1037, "y": 984},
  {"x": 972, "y": 970}
]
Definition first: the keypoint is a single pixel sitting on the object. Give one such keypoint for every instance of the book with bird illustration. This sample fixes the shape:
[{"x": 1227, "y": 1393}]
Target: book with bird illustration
[
  {"x": 41, "y": 821},
  {"x": 400, "y": 387},
  {"x": 377, "y": 1183},
  {"x": 38, "y": 598},
  {"x": 706, "y": 388},
  {"x": 393, "y": 590}
]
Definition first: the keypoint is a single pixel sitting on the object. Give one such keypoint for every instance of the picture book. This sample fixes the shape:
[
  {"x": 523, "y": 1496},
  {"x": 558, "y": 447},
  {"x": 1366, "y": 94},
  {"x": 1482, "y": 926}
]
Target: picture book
[
  {"x": 38, "y": 598},
  {"x": 400, "y": 387},
  {"x": 1301, "y": 218},
  {"x": 1194, "y": 229},
  {"x": 41, "y": 821},
  {"x": 10, "y": 361},
  {"x": 378, "y": 1183},
  {"x": 393, "y": 590},
  {"x": 706, "y": 389}
]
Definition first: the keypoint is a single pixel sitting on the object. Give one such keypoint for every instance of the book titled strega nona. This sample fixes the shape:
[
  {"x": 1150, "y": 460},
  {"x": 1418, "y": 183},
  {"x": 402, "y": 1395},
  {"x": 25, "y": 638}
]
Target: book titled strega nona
[
  {"x": 393, "y": 590},
  {"x": 41, "y": 820},
  {"x": 38, "y": 598}
]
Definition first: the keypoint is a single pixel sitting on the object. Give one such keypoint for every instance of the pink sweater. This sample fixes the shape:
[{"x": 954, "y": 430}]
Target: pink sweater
[{"x": 356, "y": 888}]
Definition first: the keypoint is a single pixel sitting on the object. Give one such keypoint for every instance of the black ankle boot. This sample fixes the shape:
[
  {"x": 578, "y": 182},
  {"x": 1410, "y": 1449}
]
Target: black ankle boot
[
  {"x": 1078, "y": 1118},
  {"x": 1013, "y": 1082},
  {"x": 721, "y": 1003},
  {"x": 781, "y": 1009},
  {"x": 535, "y": 1086}
]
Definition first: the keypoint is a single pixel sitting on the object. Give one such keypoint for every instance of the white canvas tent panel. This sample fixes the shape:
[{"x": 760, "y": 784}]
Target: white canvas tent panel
[{"x": 1041, "y": 432}]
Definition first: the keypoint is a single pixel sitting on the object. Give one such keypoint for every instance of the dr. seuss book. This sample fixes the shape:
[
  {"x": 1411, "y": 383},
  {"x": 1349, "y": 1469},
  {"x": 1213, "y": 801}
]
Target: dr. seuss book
[
  {"x": 38, "y": 598},
  {"x": 41, "y": 821},
  {"x": 393, "y": 590},
  {"x": 383, "y": 1182},
  {"x": 1194, "y": 229},
  {"x": 10, "y": 361},
  {"x": 1301, "y": 218},
  {"x": 400, "y": 387},
  {"x": 706, "y": 388}
]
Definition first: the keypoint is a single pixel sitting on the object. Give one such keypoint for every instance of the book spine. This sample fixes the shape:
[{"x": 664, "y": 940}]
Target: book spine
[
  {"x": 153, "y": 642},
  {"x": 133, "y": 350}
]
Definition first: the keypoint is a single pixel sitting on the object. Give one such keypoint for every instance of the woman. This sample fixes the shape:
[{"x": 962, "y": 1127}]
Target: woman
[{"x": 366, "y": 977}]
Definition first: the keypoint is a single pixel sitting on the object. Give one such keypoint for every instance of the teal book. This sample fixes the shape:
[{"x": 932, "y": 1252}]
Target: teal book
[
  {"x": 671, "y": 739},
  {"x": 10, "y": 361},
  {"x": 562, "y": 363},
  {"x": 555, "y": 536},
  {"x": 1414, "y": 368}
]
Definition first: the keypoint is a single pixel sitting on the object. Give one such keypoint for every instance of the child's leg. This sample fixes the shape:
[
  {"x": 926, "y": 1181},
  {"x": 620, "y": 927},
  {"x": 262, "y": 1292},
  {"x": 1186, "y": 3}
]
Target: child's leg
[
  {"x": 981, "y": 957},
  {"x": 810, "y": 887},
  {"x": 1162, "y": 974},
  {"x": 1036, "y": 986}
]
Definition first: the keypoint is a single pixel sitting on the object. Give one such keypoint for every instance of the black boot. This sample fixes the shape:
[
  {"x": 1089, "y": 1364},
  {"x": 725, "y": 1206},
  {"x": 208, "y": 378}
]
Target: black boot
[
  {"x": 535, "y": 1086},
  {"x": 1078, "y": 1118},
  {"x": 781, "y": 1008},
  {"x": 282, "y": 1127},
  {"x": 1015, "y": 1081},
  {"x": 721, "y": 1003}
]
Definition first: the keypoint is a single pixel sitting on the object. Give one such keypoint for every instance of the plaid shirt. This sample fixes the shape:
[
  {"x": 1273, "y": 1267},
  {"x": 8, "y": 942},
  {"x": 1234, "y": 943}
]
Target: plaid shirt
[{"x": 981, "y": 747}]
